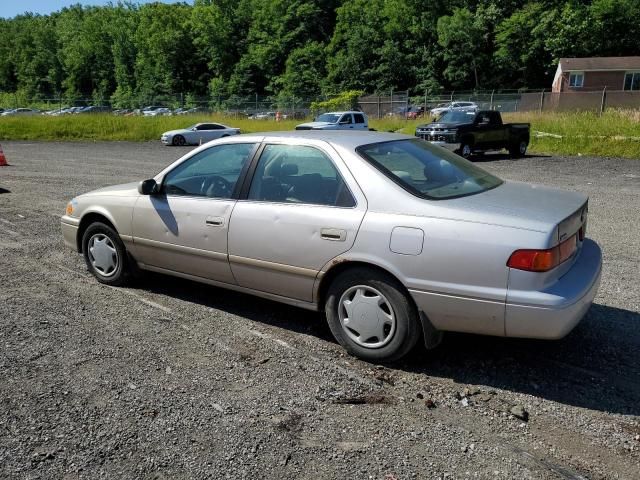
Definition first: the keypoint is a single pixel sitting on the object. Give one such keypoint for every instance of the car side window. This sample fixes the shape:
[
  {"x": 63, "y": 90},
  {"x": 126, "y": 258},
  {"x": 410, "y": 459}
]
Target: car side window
[
  {"x": 359, "y": 118},
  {"x": 211, "y": 173},
  {"x": 346, "y": 119},
  {"x": 298, "y": 174}
]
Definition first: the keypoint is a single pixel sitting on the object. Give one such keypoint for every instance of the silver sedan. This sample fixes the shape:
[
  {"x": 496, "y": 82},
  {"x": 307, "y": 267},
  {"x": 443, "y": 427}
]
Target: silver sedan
[
  {"x": 197, "y": 134},
  {"x": 394, "y": 239}
]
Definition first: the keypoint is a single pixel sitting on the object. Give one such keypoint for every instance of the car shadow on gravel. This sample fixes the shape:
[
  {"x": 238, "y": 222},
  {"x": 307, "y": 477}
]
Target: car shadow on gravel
[
  {"x": 594, "y": 367},
  {"x": 254, "y": 308},
  {"x": 4, "y": 190},
  {"x": 495, "y": 157}
]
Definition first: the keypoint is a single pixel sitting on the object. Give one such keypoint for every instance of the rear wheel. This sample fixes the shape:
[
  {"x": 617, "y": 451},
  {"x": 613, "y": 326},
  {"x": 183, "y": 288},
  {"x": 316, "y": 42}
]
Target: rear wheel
[
  {"x": 519, "y": 149},
  {"x": 371, "y": 316},
  {"x": 105, "y": 254}
]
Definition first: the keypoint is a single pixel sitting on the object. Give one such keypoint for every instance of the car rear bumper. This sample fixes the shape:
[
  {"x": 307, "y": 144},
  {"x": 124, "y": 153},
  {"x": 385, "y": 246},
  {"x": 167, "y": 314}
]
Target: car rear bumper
[
  {"x": 553, "y": 313},
  {"x": 549, "y": 314},
  {"x": 70, "y": 231}
]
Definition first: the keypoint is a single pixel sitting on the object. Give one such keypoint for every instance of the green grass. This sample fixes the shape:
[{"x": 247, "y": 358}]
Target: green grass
[{"x": 614, "y": 134}]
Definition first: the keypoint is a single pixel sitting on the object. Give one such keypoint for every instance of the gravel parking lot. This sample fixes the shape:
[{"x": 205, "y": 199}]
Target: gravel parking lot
[{"x": 172, "y": 379}]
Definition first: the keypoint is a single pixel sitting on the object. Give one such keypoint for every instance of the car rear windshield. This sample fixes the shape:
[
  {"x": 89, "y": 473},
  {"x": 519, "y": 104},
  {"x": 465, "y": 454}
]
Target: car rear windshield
[
  {"x": 457, "y": 117},
  {"x": 426, "y": 170}
]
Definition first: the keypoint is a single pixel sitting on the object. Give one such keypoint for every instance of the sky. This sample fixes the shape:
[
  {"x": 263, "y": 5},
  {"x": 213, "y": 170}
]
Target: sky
[{"x": 11, "y": 8}]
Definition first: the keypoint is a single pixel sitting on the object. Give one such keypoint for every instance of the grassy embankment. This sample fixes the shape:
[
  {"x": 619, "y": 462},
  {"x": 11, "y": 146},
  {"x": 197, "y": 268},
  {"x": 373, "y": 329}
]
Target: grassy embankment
[{"x": 614, "y": 134}]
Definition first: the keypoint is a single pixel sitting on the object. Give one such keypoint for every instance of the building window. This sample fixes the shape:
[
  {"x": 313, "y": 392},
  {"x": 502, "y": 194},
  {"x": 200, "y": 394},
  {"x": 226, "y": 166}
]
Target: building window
[
  {"x": 632, "y": 81},
  {"x": 576, "y": 79}
]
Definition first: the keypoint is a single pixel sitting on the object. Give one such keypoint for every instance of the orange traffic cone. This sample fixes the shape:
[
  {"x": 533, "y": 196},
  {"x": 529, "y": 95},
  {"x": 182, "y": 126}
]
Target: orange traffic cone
[{"x": 3, "y": 159}]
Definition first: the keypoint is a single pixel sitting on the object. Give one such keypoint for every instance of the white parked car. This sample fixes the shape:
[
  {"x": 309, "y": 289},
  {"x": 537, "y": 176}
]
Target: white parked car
[
  {"x": 20, "y": 111},
  {"x": 454, "y": 107},
  {"x": 337, "y": 121},
  {"x": 198, "y": 133}
]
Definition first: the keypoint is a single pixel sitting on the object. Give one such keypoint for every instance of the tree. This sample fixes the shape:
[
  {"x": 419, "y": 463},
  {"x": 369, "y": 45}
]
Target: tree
[{"x": 459, "y": 36}]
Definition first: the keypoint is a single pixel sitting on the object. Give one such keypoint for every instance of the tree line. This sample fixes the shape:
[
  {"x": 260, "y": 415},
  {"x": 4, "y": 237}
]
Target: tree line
[{"x": 305, "y": 48}]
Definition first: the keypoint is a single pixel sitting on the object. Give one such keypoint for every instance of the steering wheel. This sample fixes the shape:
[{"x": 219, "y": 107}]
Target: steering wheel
[{"x": 216, "y": 186}]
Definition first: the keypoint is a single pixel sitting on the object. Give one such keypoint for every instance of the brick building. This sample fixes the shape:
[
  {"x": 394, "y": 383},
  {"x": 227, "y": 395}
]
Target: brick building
[{"x": 596, "y": 73}]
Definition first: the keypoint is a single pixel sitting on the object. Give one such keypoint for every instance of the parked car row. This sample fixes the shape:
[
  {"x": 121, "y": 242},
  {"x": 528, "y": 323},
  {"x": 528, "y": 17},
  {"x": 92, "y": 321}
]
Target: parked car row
[{"x": 19, "y": 111}]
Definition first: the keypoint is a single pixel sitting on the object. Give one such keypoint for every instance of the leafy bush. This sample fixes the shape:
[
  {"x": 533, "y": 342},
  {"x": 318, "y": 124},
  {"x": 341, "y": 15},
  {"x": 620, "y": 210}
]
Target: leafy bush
[{"x": 344, "y": 101}]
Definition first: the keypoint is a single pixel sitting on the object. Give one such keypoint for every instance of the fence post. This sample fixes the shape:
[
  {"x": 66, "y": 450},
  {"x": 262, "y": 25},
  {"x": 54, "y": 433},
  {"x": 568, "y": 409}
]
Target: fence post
[
  {"x": 451, "y": 100},
  {"x": 491, "y": 101},
  {"x": 256, "y": 102},
  {"x": 426, "y": 94},
  {"x": 392, "y": 101},
  {"x": 378, "y": 99},
  {"x": 541, "y": 100},
  {"x": 604, "y": 98},
  {"x": 406, "y": 106}
]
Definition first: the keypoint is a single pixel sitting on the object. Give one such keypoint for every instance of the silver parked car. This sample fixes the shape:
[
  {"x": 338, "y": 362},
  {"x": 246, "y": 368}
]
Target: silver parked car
[
  {"x": 198, "y": 133},
  {"x": 395, "y": 239},
  {"x": 454, "y": 107}
]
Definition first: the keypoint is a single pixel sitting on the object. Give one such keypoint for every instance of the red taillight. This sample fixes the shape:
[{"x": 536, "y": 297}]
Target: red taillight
[{"x": 542, "y": 260}]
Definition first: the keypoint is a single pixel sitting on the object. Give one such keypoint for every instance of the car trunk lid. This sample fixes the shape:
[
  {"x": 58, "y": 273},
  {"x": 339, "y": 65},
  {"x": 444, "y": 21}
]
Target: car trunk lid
[{"x": 522, "y": 205}]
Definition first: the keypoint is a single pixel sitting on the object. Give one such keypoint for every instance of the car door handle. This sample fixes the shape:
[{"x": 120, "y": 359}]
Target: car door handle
[
  {"x": 333, "y": 234},
  {"x": 214, "y": 221}
]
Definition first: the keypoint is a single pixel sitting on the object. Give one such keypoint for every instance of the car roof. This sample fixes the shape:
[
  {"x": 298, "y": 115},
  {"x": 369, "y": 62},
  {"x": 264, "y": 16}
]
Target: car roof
[
  {"x": 346, "y": 139},
  {"x": 341, "y": 112}
]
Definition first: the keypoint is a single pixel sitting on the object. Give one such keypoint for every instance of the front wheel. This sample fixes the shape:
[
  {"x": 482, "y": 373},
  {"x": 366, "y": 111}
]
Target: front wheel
[
  {"x": 466, "y": 151},
  {"x": 105, "y": 254},
  {"x": 371, "y": 316},
  {"x": 178, "y": 141}
]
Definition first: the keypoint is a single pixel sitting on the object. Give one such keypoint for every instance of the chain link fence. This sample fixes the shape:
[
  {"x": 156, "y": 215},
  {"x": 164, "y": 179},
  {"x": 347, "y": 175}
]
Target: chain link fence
[
  {"x": 393, "y": 103},
  {"x": 404, "y": 104}
]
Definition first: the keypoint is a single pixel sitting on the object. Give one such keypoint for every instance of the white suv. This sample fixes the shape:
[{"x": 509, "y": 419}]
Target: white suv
[{"x": 337, "y": 121}]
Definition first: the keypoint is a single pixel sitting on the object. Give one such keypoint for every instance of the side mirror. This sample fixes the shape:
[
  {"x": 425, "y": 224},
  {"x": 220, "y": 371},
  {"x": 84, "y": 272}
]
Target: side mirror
[{"x": 148, "y": 187}]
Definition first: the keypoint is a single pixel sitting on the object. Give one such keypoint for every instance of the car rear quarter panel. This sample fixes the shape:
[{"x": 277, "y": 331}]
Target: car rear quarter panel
[{"x": 459, "y": 279}]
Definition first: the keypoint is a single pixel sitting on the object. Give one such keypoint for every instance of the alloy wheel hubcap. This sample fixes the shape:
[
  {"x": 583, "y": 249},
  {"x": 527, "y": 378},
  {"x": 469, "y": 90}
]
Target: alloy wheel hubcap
[
  {"x": 103, "y": 255},
  {"x": 366, "y": 316},
  {"x": 466, "y": 151}
]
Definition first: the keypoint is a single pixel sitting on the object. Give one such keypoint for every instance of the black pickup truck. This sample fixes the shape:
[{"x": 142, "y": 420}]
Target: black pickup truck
[{"x": 467, "y": 133}]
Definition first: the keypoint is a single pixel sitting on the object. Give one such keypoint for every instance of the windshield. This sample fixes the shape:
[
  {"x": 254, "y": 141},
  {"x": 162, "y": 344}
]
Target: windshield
[
  {"x": 457, "y": 117},
  {"x": 328, "y": 117},
  {"x": 426, "y": 170}
]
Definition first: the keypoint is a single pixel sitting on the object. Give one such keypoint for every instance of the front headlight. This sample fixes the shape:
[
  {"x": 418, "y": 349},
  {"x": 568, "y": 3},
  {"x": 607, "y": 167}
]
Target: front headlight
[{"x": 71, "y": 206}]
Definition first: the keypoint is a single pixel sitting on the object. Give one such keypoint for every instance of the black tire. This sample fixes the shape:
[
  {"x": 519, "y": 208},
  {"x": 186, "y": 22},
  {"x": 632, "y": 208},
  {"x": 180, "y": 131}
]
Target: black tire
[
  {"x": 407, "y": 327},
  {"x": 466, "y": 150},
  {"x": 519, "y": 149},
  {"x": 120, "y": 274},
  {"x": 178, "y": 141}
]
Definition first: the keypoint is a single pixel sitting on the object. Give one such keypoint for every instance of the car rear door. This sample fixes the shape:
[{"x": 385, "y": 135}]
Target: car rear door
[
  {"x": 360, "y": 121},
  {"x": 301, "y": 209}
]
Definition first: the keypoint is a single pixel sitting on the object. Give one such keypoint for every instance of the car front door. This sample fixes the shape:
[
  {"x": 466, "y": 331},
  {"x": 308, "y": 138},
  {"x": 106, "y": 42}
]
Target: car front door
[
  {"x": 301, "y": 210},
  {"x": 184, "y": 227},
  {"x": 345, "y": 122}
]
